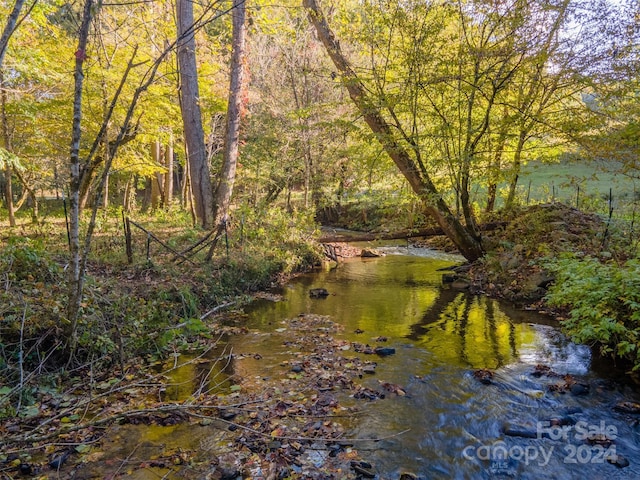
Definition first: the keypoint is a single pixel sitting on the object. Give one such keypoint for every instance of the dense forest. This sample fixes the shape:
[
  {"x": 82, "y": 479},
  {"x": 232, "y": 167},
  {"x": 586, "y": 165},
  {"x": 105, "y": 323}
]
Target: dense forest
[{"x": 160, "y": 160}]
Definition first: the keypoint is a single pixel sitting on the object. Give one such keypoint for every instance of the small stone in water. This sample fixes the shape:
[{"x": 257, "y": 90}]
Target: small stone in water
[
  {"x": 619, "y": 461},
  {"x": 318, "y": 293},
  {"x": 627, "y": 407},
  {"x": 370, "y": 369},
  {"x": 384, "y": 351},
  {"x": 579, "y": 389},
  {"x": 519, "y": 431}
]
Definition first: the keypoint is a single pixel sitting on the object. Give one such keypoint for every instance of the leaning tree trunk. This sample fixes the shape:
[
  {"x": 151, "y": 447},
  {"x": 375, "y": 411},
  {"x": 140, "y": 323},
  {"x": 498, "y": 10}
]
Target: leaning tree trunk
[
  {"x": 468, "y": 245},
  {"x": 9, "y": 28},
  {"x": 234, "y": 114},
  {"x": 201, "y": 187}
]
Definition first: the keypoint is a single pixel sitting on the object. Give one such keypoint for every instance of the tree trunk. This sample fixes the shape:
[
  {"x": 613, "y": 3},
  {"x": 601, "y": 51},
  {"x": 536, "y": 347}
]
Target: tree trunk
[
  {"x": 494, "y": 171},
  {"x": 468, "y": 245},
  {"x": 515, "y": 172},
  {"x": 76, "y": 277},
  {"x": 192, "y": 118},
  {"x": 157, "y": 177},
  {"x": 9, "y": 28},
  {"x": 8, "y": 170},
  {"x": 8, "y": 195},
  {"x": 234, "y": 114},
  {"x": 167, "y": 188}
]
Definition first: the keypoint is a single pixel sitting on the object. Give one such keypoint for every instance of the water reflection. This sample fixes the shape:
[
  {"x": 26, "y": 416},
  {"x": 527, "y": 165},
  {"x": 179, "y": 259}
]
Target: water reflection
[
  {"x": 440, "y": 336},
  {"x": 402, "y": 298},
  {"x": 470, "y": 331}
]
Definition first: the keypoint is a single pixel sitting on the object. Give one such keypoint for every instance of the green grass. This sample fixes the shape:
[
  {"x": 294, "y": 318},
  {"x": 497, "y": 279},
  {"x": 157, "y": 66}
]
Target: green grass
[{"x": 585, "y": 185}]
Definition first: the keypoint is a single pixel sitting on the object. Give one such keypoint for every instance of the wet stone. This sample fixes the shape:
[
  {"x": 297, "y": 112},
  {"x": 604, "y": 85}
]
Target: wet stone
[
  {"x": 579, "y": 389},
  {"x": 384, "y": 351},
  {"x": 514, "y": 430},
  {"x": 228, "y": 414},
  {"x": 318, "y": 293},
  {"x": 407, "y": 476},
  {"x": 618, "y": 460},
  {"x": 363, "y": 468},
  {"x": 369, "y": 368},
  {"x": 627, "y": 407}
]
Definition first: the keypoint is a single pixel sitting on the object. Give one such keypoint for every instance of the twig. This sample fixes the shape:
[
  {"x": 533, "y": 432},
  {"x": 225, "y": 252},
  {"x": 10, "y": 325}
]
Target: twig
[
  {"x": 133, "y": 450},
  {"x": 216, "y": 309},
  {"x": 21, "y": 357}
]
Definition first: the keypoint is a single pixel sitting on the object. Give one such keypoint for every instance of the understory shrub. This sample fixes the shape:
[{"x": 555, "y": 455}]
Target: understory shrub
[{"x": 603, "y": 302}]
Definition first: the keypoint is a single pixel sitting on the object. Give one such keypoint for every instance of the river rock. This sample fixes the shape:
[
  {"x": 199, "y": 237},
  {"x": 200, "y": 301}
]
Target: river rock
[
  {"x": 384, "y": 351},
  {"x": 483, "y": 375},
  {"x": 407, "y": 476},
  {"x": 369, "y": 368},
  {"x": 515, "y": 430},
  {"x": 318, "y": 293},
  {"x": 363, "y": 468},
  {"x": 627, "y": 407},
  {"x": 460, "y": 285},
  {"x": 370, "y": 253},
  {"x": 579, "y": 389},
  {"x": 618, "y": 460}
]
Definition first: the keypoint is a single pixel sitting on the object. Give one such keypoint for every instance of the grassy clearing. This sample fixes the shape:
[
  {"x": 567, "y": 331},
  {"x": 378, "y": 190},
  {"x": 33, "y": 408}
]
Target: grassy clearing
[{"x": 581, "y": 184}]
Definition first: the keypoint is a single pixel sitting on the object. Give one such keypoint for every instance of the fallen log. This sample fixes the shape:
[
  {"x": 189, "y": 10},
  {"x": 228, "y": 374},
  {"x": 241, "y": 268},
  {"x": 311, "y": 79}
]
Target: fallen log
[{"x": 420, "y": 232}]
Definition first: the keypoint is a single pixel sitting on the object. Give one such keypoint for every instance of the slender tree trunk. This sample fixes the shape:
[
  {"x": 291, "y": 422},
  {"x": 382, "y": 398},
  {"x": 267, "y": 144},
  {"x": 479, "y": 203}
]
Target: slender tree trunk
[
  {"x": 234, "y": 114},
  {"x": 76, "y": 278},
  {"x": 126, "y": 198},
  {"x": 192, "y": 118},
  {"x": 167, "y": 188},
  {"x": 8, "y": 170},
  {"x": 495, "y": 168},
  {"x": 157, "y": 177},
  {"x": 468, "y": 245},
  {"x": 515, "y": 169}
]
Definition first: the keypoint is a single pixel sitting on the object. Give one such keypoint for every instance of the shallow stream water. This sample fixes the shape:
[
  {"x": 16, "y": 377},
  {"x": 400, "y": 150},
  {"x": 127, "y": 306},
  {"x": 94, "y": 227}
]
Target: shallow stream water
[
  {"x": 449, "y": 425},
  {"x": 454, "y": 425}
]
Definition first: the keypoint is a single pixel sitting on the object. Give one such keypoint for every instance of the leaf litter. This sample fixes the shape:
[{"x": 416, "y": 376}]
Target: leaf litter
[{"x": 294, "y": 426}]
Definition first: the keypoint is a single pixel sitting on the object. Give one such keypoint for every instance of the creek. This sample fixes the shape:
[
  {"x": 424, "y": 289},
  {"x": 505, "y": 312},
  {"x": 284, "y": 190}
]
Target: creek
[
  {"x": 455, "y": 423},
  {"x": 450, "y": 425}
]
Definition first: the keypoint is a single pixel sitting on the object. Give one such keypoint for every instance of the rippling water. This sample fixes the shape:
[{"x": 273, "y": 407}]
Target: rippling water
[{"x": 455, "y": 423}]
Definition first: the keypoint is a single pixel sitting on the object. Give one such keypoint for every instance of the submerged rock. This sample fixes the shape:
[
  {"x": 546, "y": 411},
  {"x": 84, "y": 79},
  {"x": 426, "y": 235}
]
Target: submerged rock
[
  {"x": 384, "y": 351},
  {"x": 483, "y": 375},
  {"x": 370, "y": 253},
  {"x": 627, "y": 407},
  {"x": 318, "y": 293},
  {"x": 618, "y": 460},
  {"x": 515, "y": 430},
  {"x": 579, "y": 389}
]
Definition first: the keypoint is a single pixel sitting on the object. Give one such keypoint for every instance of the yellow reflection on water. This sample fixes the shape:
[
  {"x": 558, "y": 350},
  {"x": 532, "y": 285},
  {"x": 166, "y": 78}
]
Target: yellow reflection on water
[{"x": 473, "y": 332}]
